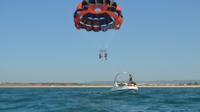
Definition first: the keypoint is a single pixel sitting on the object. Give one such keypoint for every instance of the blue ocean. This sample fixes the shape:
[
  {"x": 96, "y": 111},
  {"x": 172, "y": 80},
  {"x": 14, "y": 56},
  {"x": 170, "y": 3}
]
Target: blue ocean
[{"x": 99, "y": 100}]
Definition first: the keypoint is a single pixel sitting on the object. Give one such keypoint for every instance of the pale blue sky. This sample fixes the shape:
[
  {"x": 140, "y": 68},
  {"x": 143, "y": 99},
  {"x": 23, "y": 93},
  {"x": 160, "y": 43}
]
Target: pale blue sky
[{"x": 159, "y": 40}]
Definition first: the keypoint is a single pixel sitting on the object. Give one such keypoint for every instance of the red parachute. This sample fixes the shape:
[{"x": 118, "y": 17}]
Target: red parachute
[{"x": 98, "y": 15}]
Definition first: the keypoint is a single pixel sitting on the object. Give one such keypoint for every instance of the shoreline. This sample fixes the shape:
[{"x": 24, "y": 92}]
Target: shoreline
[
  {"x": 93, "y": 86},
  {"x": 170, "y": 86}
]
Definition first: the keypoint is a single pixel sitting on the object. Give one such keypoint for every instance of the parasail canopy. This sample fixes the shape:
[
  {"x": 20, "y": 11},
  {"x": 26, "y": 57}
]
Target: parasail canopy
[{"x": 98, "y": 15}]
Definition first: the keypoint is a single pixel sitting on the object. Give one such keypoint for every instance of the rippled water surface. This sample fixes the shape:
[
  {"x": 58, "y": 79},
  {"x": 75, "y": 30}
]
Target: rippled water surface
[{"x": 99, "y": 100}]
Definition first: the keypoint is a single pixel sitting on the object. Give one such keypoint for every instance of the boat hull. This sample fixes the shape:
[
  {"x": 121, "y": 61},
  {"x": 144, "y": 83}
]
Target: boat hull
[{"x": 125, "y": 89}]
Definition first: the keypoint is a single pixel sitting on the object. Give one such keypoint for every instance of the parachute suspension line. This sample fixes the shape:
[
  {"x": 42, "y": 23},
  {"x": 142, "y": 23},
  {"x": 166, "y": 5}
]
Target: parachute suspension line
[
  {"x": 104, "y": 50},
  {"x": 109, "y": 41}
]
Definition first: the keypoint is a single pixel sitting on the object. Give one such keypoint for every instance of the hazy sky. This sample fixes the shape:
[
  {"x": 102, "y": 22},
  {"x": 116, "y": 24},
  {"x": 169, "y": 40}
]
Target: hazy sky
[{"x": 159, "y": 40}]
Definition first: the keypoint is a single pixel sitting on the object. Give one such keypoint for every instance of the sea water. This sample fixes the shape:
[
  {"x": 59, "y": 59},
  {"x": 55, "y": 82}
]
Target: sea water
[{"x": 99, "y": 100}]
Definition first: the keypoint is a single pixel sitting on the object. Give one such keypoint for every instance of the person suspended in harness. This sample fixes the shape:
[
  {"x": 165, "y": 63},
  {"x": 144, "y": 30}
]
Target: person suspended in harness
[{"x": 103, "y": 54}]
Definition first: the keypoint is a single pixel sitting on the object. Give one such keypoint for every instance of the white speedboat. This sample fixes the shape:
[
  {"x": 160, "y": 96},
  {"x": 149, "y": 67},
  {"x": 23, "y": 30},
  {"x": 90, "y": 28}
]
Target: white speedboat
[{"x": 124, "y": 82}]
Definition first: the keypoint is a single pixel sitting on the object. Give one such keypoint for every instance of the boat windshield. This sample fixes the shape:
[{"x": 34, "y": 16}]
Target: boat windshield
[{"x": 123, "y": 79}]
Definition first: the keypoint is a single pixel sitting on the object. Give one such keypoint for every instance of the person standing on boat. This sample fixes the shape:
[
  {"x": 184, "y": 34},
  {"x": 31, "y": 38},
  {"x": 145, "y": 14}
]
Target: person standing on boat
[{"x": 130, "y": 78}]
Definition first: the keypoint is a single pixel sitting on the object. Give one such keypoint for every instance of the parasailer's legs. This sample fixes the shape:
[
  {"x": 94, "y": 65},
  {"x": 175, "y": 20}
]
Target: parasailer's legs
[
  {"x": 105, "y": 56},
  {"x": 100, "y": 56}
]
